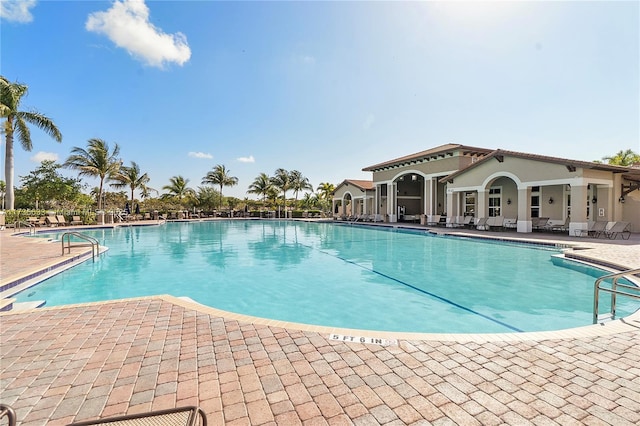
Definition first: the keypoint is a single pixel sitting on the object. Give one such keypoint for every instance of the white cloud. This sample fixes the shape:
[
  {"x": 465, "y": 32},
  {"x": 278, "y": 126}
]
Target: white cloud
[
  {"x": 368, "y": 122},
  {"x": 248, "y": 159},
  {"x": 41, "y": 156},
  {"x": 17, "y": 10},
  {"x": 200, "y": 155},
  {"x": 127, "y": 25}
]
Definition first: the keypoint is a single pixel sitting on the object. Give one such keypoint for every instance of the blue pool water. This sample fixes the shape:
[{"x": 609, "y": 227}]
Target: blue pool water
[{"x": 336, "y": 275}]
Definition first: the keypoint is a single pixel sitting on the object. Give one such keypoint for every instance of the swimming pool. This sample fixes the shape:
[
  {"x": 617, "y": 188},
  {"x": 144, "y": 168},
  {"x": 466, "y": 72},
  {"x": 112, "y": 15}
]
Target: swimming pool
[{"x": 334, "y": 275}]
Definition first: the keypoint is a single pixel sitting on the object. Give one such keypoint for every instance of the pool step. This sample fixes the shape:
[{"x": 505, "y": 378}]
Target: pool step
[
  {"x": 26, "y": 306},
  {"x": 605, "y": 317}
]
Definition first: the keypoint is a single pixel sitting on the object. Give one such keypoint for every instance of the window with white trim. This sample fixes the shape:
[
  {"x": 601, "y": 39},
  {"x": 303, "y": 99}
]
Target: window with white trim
[
  {"x": 495, "y": 201},
  {"x": 535, "y": 201}
]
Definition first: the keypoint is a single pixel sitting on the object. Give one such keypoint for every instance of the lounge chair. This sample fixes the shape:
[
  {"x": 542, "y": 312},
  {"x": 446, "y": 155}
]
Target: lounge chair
[
  {"x": 147, "y": 216},
  {"x": 560, "y": 227},
  {"x": 495, "y": 222},
  {"x": 482, "y": 224},
  {"x": 187, "y": 416},
  {"x": 433, "y": 219},
  {"x": 61, "y": 220},
  {"x": 538, "y": 223},
  {"x": 595, "y": 229},
  {"x": 75, "y": 220},
  {"x": 378, "y": 218},
  {"x": 619, "y": 228},
  {"x": 510, "y": 223},
  {"x": 470, "y": 222},
  {"x": 33, "y": 221},
  {"x": 52, "y": 220}
]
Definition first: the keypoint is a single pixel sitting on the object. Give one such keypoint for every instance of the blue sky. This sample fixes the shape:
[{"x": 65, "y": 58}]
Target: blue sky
[{"x": 326, "y": 88}]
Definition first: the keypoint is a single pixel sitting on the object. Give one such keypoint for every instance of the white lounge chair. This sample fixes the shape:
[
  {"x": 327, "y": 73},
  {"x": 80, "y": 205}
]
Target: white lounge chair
[
  {"x": 595, "y": 229},
  {"x": 619, "y": 228},
  {"x": 433, "y": 219}
]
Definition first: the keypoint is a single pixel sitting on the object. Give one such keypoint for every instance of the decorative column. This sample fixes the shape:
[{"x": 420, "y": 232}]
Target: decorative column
[
  {"x": 524, "y": 211},
  {"x": 578, "y": 208}
]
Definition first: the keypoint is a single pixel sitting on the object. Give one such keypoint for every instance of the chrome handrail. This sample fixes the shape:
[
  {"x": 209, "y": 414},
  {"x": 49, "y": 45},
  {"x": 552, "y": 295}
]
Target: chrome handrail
[
  {"x": 95, "y": 244},
  {"x": 614, "y": 290}
]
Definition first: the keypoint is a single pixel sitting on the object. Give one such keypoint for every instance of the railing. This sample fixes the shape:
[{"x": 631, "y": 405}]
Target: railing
[
  {"x": 615, "y": 291},
  {"x": 93, "y": 243},
  {"x": 19, "y": 224},
  {"x": 9, "y": 413}
]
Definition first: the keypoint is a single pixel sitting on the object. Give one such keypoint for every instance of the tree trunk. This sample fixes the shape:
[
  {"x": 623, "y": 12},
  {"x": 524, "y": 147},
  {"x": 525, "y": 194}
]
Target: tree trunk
[{"x": 8, "y": 169}]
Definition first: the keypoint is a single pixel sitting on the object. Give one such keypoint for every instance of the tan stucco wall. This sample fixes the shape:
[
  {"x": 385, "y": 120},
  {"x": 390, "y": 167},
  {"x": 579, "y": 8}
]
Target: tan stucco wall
[{"x": 432, "y": 167}]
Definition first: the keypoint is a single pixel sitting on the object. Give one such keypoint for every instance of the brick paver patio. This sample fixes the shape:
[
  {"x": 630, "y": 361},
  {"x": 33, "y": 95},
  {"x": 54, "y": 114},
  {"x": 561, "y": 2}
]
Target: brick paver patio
[{"x": 65, "y": 364}]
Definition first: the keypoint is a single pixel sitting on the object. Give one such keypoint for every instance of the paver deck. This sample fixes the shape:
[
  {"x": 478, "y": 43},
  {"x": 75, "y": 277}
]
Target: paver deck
[{"x": 59, "y": 365}]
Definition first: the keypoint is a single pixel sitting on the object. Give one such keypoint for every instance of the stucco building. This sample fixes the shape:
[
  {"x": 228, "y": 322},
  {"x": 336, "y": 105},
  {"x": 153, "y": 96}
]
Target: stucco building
[{"x": 456, "y": 180}]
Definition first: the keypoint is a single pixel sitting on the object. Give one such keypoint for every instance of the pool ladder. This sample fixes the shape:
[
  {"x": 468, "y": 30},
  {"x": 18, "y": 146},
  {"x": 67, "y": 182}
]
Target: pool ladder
[
  {"x": 91, "y": 242},
  {"x": 616, "y": 289}
]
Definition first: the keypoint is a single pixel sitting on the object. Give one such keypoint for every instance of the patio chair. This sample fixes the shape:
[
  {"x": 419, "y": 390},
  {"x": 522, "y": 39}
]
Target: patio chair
[
  {"x": 183, "y": 416},
  {"x": 433, "y": 219},
  {"x": 482, "y": 224},
  {"x": 560, "y": 227},
  {"x": 52, "y": 220},
  {"x": 75, "y": 220},
  {"x": 538, "y": 223},
  {"x": 595, "y": 229},
  {"x": 619, "y": 228},
  {"x": 61, "y": 220},
  {"x": 470, "y": 222},
  {"x": 495, "y": 222},
  {"x": 510, "y": 223}
]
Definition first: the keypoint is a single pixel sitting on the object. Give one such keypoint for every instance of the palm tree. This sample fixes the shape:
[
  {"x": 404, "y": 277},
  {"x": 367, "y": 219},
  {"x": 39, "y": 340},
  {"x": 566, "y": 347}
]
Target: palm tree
[
  {"x": 96, "y": 161},
  {"x": 325, "y": 189},
  {"x": 16, "y": 124},
  {"x": 261, "y": 186},
  {"x": 299, "y": 183},
  {"x": 130, "y": 177},
  {"x": 309, "y": 200},
  {"x": 220, "y": 176},
  {"x": 282, "y": 181},
  {"x": 178, "y": 188},
  {"x": 623, "y": 158}
]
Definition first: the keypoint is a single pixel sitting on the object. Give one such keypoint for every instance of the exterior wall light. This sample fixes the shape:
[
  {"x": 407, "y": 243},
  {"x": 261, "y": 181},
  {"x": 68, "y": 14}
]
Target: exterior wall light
[
  {"x": 594, "y": 200},
  {"x": 509, "y": 201},
  {"x": 621, "y": 199},
  {"x": 550, "y": 200}
]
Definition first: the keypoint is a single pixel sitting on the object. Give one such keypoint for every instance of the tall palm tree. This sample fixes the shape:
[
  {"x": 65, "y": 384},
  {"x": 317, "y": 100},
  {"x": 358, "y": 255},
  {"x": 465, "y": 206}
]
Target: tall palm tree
[
  {"x": 261, "y": 186},
  {"x": 623, "y": 158},
  {"x": 96, "y": 161},
  {"x": 178, "y": 188},
  {"x": 282, "y": 180},
  {"x": 130, "y": 177},
  {"x": 220, "y": 176},
  {"x": 16, "y": 125},
  {"x": 299, "y": 183}
]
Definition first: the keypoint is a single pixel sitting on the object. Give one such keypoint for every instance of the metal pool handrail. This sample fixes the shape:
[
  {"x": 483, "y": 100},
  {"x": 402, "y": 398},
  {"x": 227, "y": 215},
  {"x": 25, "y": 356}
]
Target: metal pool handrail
[
  {"x": 94, "y": 243},
  {"x": 614, "y": 290}
]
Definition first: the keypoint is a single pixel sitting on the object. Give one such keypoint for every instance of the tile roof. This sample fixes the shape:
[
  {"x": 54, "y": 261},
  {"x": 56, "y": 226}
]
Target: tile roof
[
  {"x": 543, "y": 158},
  {"x": 430, "y": 153},
  {"x": 364, "y": 185}
]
